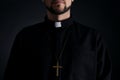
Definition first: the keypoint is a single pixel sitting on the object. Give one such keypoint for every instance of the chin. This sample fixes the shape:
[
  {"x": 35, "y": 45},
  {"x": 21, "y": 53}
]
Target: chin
[{"x": 59, "y": 10}]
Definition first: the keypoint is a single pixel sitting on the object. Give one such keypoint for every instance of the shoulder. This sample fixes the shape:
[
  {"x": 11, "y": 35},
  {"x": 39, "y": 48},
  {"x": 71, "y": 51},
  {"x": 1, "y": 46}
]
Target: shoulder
[
  {"x": 90, "y": 33},
  {"x": 32, "y": 28},
  {"x": 85, "y": 30}
]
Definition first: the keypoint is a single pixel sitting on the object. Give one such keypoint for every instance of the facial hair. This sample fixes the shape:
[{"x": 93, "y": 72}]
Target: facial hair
[{"x": 53, "y": 11}]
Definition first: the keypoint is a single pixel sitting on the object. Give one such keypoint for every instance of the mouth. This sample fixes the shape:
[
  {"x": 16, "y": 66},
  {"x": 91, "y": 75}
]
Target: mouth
[{"x": 57, "y": 1}]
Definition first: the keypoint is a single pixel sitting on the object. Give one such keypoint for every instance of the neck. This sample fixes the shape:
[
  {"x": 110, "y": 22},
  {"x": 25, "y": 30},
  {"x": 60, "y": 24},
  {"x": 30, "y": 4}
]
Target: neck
[{"x": 60, "y": 17}]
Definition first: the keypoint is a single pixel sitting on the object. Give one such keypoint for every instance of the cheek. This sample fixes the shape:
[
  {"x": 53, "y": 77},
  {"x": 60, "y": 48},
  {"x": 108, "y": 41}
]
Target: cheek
[{"x": 47, "y": 3}]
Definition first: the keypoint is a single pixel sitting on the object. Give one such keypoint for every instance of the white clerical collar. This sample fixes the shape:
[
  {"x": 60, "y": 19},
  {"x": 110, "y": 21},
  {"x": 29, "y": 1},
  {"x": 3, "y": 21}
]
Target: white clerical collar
[{"x": 58, "y": 24}]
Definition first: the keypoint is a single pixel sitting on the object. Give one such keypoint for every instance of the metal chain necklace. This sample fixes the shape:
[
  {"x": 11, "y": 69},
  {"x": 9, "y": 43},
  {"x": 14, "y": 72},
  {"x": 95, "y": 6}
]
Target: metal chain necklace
[{"x": 58, "y": 57}]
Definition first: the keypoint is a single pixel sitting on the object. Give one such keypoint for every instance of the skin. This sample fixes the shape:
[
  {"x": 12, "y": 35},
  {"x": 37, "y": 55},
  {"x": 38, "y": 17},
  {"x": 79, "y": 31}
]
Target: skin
[{"x": 58, "y": 10}]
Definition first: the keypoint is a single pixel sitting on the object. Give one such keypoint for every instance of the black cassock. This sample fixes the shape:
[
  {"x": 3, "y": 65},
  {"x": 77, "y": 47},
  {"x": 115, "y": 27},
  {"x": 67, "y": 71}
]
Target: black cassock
[{"x": 35, "y": 48}]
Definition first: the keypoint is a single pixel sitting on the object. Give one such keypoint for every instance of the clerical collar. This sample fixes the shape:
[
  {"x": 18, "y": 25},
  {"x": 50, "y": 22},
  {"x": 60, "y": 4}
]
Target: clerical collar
[
  {"x": 61, "y": 24},
  {"x": 58, "y": 24}
]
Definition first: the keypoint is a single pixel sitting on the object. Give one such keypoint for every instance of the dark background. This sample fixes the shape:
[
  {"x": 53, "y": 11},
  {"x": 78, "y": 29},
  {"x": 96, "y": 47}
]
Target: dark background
[{"x": 103, "y": 15}]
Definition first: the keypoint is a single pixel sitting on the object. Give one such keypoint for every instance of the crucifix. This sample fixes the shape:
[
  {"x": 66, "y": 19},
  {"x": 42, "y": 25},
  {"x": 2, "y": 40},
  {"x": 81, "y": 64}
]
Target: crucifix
[{"x": 57, "y": 68}]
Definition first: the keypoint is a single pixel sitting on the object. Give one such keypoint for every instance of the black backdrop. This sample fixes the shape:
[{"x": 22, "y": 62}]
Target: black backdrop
[{"x": 103, "y": 15}]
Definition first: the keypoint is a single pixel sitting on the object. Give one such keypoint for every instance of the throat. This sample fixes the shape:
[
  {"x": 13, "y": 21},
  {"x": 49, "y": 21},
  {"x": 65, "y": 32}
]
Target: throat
[{"x": 61, "y": 17}]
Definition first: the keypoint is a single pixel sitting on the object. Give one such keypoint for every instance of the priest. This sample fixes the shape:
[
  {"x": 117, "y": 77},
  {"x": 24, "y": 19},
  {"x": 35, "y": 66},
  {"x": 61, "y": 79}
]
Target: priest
[{"x": 58, "y": 48}]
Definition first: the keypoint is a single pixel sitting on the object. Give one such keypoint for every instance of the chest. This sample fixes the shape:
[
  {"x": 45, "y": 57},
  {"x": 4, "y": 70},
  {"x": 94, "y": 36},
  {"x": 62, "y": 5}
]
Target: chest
[{"x": 78, "y": 58}]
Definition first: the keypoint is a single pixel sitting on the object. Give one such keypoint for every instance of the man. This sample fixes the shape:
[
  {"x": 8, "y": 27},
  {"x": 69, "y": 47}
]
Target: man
[{"x": 58, "y": 49}]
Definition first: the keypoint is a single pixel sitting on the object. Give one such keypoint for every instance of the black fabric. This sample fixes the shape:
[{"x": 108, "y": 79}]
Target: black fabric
[{"x": 85, "y": 56}]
